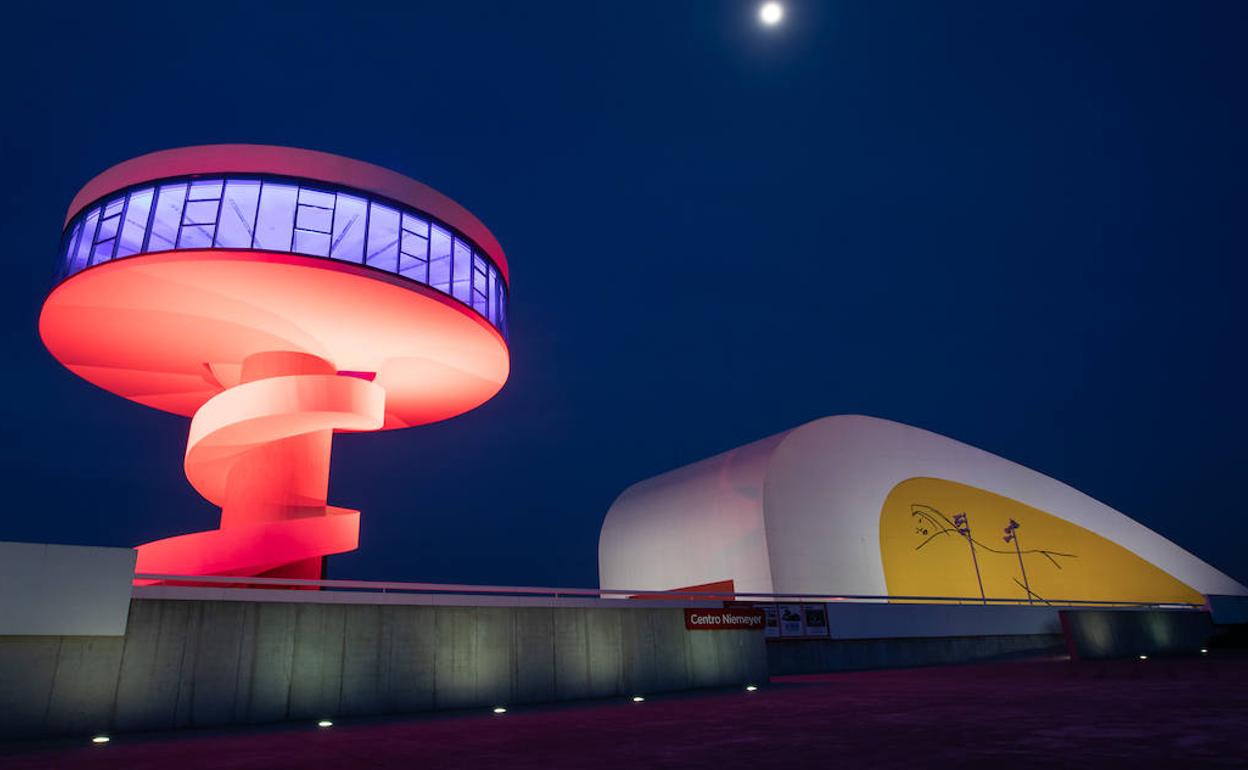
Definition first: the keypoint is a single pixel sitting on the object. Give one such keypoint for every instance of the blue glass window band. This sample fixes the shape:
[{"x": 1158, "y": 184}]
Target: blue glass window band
[{"x": 278, "y": 214}]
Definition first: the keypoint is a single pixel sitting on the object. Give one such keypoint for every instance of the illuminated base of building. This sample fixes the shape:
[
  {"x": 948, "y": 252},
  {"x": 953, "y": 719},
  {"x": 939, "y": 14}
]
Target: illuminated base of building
[
  {"x": 270, "y": 354},
  {"x": 261, "y": 451}
]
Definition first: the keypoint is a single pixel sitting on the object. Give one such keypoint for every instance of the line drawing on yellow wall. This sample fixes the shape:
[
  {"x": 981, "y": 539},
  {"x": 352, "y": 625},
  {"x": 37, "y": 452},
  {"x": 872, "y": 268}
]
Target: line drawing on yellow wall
[{"x": 931, "y": 523}]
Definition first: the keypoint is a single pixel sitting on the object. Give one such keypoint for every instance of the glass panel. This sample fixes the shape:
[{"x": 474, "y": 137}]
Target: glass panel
[
  {"x": 67, "y": 253},
  {"x": 200, "y": 213},
  {"x": 196, "y": 237},
  {"x": 205, "y": 189},
  {"x": 415, "y": 267},
  {"x": 109, "y": 227},
  {"x": 83, "y": 252},
  {"x": 199, "y": 218},
  {"x": 316, "y": 244},
  {"x": 135, "y": 226},
  {"x": 315, "y": 219},
  {"x": 103, "y": 251},
  {"x": 440, "y": 259},
  {"x": 498, "y": 300},
  {"x": 168, "y": 214},
  {"x": 316, "y": 198},
  {"x": 415, "y": 225},
  {"x": 463, "y": 268},
  {"x": 276, "y": 220},
  {"x": 383, "y": 238},
  {"x": 113, "y": 208},
  {"x": 492, "y": 293},
  {"x": 238, "y": 214},
  {"x": 480, "y": 299},
  {"x": 415, "y": 245},
  {"x": 349, "y": 218},
  {"x": 414, "y": 249}
]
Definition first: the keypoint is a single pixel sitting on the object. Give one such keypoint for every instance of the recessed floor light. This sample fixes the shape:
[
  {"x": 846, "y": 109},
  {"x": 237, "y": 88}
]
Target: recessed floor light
[
  {"x": 1143, "y": 657},
  {"x": 324, "y": 723},
  {"x": 638, "y": 699},
  {"x": 101, "y": 739},
  {"x": 750, "y": 688},
  {"x": 500, "y": 710}
]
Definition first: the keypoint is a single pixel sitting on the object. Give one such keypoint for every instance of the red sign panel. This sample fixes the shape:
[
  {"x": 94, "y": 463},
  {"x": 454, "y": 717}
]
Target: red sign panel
[{"x": 727, "y": 619}]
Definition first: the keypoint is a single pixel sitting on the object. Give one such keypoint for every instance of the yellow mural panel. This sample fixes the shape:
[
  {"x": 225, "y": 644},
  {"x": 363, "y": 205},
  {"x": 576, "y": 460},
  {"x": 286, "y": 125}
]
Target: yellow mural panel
[{"x": 925, "y": 554}]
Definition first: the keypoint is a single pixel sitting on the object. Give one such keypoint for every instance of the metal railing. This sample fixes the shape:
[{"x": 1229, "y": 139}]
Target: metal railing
[{"x": 447, "y": 589}]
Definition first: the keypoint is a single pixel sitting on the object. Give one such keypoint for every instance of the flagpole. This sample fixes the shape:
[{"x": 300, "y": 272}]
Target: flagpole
[
  {"x": 1018, "y": 550},
  {"x": 1011, "y": 533},
  {"x": 966, "y": 530}
]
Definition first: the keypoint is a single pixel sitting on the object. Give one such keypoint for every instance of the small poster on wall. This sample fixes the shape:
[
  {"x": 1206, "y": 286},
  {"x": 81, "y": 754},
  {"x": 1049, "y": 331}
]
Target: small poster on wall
[
  {"x": 790, "y": 620},
  {"x": 771, "y": 622},
  {"x": 815, "y": 617}
]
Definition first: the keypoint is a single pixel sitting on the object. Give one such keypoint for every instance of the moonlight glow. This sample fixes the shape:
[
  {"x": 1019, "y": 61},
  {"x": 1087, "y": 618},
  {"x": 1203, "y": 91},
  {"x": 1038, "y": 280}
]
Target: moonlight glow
[{"x": 771, "y": 13}]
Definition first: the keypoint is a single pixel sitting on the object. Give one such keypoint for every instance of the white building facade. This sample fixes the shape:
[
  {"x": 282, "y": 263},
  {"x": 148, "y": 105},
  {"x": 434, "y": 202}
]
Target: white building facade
[{"x": 853, "y": 505}]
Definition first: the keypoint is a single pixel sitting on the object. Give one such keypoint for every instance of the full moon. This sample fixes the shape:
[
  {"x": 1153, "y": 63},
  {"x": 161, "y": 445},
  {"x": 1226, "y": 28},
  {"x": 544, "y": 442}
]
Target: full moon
[{"x": 771, "y": 13}]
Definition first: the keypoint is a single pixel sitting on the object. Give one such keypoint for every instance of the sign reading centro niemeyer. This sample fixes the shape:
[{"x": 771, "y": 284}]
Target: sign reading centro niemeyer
[{"x": 732, "y": 619}]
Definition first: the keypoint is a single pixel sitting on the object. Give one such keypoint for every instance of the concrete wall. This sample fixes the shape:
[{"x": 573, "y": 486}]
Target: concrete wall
[
  {"x": 64, "y": 590},
  {"x": 197, "y": 663},
  {"x": 812, "y": 656},
  {"x": 1092, "y": 634},
  {"x": 895, "y": 635},
  {"x": 893, "y": 620}
]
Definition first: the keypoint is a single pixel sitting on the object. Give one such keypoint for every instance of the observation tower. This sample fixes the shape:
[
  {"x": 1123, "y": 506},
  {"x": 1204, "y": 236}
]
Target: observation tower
[{"x": 275, "y": 296}]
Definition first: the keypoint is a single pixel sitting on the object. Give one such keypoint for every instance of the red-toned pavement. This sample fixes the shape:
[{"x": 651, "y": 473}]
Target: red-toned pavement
[{"x": 1156, "y": 713}]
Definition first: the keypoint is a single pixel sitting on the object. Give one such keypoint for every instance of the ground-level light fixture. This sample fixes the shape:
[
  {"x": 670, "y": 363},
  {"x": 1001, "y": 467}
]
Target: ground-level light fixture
[
  {"x": 1204, "y": 651},
  {"x": 101, "y": 739},
  {"x": 750, "y": 688},
  {"x": 324, "y": 723},
  {"x": 500, "y": 710},
  {"x": 638, "y": 699},
  {"x": 1143, "y": 657}
]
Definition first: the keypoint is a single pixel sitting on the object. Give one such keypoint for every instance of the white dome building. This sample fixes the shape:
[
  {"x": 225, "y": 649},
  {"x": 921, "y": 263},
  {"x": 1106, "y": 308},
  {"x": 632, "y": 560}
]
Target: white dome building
[{"x": 853, "y": 505}]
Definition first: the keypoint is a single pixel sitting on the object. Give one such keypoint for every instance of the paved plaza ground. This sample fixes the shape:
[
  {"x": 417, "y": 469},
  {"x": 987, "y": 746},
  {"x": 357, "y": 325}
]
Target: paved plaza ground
[{"x": 1052, "y": 713}]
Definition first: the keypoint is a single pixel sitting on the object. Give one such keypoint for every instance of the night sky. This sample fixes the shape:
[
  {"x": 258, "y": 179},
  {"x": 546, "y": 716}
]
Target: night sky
[{"x": 1021, "y": 225}]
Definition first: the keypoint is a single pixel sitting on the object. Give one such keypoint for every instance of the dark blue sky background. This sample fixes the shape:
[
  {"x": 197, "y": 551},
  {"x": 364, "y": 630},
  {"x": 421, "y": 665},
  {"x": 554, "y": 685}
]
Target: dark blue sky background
[{"x": 1022, "y": 225}]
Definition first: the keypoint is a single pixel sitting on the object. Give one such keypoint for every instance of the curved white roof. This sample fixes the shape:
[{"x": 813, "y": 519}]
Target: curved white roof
[{"x": 800, "y": 512}]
